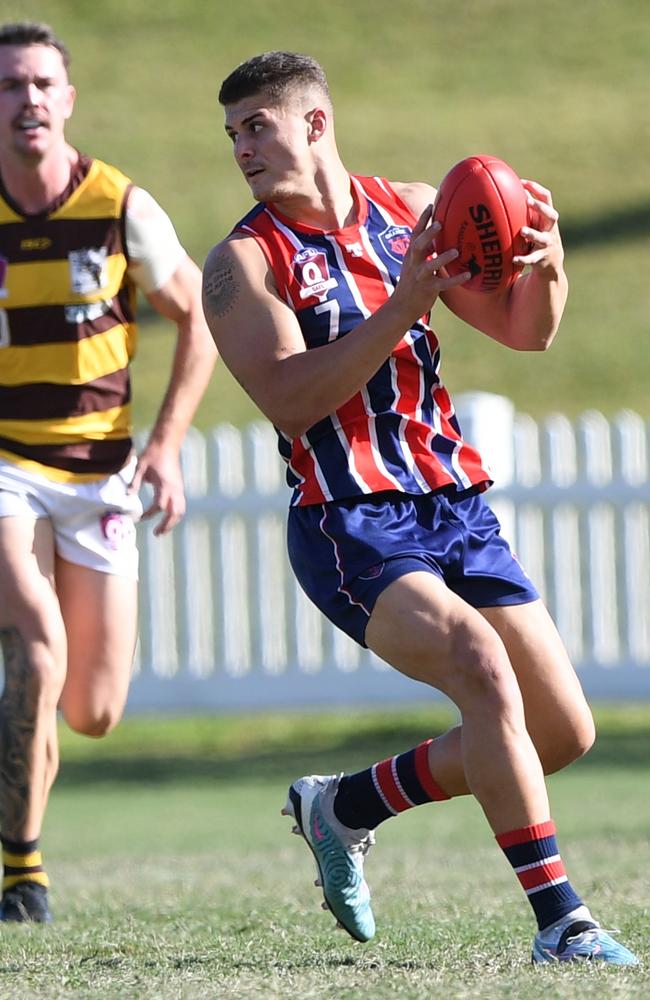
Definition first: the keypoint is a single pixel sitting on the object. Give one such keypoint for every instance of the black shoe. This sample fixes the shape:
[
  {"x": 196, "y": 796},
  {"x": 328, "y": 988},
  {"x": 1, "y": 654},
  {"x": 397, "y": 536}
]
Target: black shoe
[{"x": 25, "y": 902}]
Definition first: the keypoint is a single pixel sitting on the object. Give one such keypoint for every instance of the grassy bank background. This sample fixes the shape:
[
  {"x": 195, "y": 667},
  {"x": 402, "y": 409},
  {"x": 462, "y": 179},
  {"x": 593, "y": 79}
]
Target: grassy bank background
[{"x": 559, "y": 90}]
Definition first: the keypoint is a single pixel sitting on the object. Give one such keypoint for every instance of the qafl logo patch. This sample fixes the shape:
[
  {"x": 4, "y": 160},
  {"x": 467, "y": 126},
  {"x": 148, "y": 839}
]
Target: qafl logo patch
[
  {"x": 312, "y": 273},
  {"x": 117, "y": 529},
  {"x": 396, "y": 240}
]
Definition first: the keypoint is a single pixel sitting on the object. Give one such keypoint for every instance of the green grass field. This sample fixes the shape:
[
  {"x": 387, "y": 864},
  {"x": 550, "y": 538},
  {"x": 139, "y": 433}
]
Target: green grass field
[
  {"x": 558, "y": 89},
  {"x": 174, "y": 875}
]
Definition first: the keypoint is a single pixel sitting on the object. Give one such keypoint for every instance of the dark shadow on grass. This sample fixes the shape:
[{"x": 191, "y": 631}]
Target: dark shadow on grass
[
  {"x": 245, "y": 767},
  {"x": 628, "y": 749},
  {"x": 616, "y": 226}
]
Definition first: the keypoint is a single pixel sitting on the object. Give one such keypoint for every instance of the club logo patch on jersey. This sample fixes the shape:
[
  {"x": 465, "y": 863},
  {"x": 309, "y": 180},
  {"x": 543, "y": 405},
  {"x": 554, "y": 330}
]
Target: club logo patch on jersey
[
  {"x": 4, "y": 264},
  {"x": 312, "y": 273},
  {"x": 88, "y": 271},
  {"x": 118, "y": 529},
  {"x": 396, "y": 240}
]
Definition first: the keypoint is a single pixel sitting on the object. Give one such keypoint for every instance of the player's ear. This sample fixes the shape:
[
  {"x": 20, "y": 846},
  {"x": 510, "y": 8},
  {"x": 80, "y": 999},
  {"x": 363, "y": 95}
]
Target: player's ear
[
  {"x": 317, "y": 122},
  {"x": 69, "y": 102}
]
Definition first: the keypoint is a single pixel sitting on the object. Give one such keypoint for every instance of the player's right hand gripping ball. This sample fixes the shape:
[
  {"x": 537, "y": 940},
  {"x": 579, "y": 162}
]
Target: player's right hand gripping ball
[{"x": 481, "y": 206}]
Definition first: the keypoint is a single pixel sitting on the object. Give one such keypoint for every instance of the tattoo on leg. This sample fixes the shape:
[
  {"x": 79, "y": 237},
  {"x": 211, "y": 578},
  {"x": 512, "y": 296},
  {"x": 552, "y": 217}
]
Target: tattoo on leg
[
  {"x": 220, "y": 289},
  {"x": 18, "y": 708}
]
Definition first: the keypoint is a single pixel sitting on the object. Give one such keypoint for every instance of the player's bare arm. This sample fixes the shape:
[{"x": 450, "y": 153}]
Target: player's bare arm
[
  {"x": 178, "y": 300},
  {"x": 260, "y": 339}
]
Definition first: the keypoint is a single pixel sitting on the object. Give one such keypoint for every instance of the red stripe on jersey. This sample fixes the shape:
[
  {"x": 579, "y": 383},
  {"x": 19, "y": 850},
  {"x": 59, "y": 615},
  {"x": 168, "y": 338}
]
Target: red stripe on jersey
[
  {"x": 471, "y": 464},
  {"x": 443, "y": 402},
  {"x": 353, "y": 414},
  {"x": 434, "y": 476},
  {"x": 468, "y": 459},
  {"x": 389, "y": 788},
  {"x": 431, "y": 787},
  {"x": 409, "y": 379},
  {"x": 279, "y": 251},
  {"x": 383, "y": 194},
  {"x": 548, "y": 871},
  {"x": 432, "y": 340},
  {"x": 409, "y": 403},
  {"x": 369, "y": 281},
  {"x": 372, "y": 293},
  {"x": 526, "y": 834},
  {"x": 304, "y": 464}
]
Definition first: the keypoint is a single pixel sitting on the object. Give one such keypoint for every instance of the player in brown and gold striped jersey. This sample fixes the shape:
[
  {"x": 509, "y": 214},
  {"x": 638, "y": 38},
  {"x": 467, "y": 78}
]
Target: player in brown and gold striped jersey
[{"x": 77, "y": 239}]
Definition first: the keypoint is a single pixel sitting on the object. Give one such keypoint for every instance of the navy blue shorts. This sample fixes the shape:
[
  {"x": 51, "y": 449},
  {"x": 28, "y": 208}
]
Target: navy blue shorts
[{"x": 345, "y": 552}]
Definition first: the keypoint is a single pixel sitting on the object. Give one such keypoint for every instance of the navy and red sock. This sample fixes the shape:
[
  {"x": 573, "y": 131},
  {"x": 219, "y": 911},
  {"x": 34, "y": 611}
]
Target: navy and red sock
[
  {"x": 371, "y": 796},
  {"x": 367, "y": 798},
  {"x": 535, "y": 858}
]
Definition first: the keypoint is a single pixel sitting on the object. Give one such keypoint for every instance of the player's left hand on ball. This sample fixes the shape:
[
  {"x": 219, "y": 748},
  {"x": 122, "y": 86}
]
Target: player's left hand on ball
[{"x": 543, "y": 233}]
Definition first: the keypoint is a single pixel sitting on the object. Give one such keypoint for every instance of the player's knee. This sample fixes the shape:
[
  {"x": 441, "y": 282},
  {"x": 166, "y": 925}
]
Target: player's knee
[
  {"x": 569, "y": 742},
  {"x": 46, "y": 676},
  {"x": 94, "y": 723},
  {"x": 581, "y": 733},
  {"x": 481, "y": 674}
]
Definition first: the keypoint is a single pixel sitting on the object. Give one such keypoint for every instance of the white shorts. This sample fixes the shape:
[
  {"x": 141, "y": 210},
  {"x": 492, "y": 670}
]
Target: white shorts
[{"x": 93, "y": 522}]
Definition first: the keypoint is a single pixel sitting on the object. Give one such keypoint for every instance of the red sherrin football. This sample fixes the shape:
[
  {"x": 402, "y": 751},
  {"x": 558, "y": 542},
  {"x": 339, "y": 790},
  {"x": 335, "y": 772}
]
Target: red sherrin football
[{"x": 481, "y": 205}]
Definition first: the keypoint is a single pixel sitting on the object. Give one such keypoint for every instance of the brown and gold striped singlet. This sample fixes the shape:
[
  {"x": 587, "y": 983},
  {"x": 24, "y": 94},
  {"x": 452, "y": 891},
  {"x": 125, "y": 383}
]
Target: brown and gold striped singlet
[{"x": 67, "y": 330}]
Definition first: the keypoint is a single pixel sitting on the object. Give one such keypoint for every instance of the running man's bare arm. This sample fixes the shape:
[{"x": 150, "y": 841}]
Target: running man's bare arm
[{"x": 178, "y": 300}]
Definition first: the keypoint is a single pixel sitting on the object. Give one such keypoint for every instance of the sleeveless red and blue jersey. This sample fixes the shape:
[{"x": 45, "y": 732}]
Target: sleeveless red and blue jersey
[{"x": 399, "y": 432}]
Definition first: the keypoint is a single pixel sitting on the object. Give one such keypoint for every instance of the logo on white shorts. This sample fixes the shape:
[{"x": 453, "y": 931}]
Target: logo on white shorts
[{"x": 117, "y": 529}]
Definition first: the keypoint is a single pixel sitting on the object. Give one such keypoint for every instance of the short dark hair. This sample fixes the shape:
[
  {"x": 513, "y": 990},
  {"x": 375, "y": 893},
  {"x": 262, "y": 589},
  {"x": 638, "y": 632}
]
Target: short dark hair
[
  {"x": 277, "y": 74},
  {"x": 33, "y": 33}
]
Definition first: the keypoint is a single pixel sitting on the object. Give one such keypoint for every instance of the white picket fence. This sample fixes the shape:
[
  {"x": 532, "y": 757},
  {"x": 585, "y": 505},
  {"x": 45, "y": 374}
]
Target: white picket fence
[{"x": 224, "y": 625}]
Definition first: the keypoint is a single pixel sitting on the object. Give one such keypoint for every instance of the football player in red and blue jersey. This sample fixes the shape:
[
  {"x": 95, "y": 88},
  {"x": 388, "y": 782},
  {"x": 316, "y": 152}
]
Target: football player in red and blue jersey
[{"x": 320, "y": 301}]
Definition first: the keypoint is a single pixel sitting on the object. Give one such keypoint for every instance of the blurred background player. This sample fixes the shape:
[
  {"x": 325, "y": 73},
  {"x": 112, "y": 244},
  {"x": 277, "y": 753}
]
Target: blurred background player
[
  {"x": 319, "y": 303},
  {"x": 76, "y": 240}
]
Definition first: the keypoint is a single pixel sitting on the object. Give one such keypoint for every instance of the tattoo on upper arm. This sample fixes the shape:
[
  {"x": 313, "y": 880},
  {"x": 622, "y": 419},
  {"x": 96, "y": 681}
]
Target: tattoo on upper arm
[
  {"x": 17, "y": 722},
  {"x": 220, "y": 287}
]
